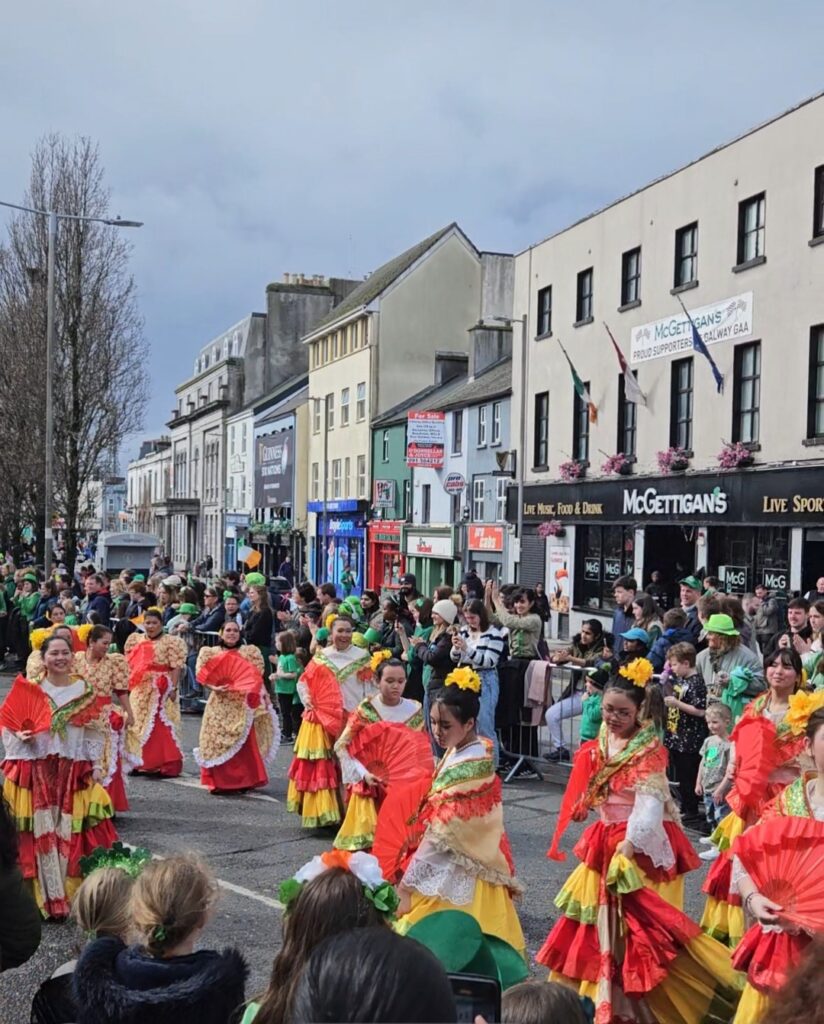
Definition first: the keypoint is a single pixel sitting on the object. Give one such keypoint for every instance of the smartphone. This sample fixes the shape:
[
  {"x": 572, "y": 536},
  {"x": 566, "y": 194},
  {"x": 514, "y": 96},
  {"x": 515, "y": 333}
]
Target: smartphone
[{"x": 476, "y": 996}]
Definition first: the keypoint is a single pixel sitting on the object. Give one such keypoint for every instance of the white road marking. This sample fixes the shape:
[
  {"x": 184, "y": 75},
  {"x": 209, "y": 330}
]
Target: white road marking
[{"x": 194, "y": 784}]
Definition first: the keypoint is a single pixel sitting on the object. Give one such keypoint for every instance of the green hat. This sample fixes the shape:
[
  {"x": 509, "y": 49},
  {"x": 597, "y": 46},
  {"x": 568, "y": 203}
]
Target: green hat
[
  {"x": 30, "y": 576},
  {"x": 722, "y": 624},
  {"x": 457, "y": 941},
  {"x": 188, "y": 609},
  {"x": 692, "y": 582},
  {"x": 372, "y": 636},
  {"x": 138, "y": 578},
  {"x": 256, "y": 579}
]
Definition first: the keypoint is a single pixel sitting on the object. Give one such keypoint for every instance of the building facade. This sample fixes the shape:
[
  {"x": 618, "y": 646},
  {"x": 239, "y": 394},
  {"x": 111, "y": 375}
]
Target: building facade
[
  {"x": 148, "y": 485},
  {"x": 734, "y": 236}
]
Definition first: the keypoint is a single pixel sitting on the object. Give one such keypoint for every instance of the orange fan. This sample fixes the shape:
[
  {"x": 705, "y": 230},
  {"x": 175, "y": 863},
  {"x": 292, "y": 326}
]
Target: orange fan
[
  {"x": 582, "y": 769},
  {"x": 399, "y": 830},
  {"x": 26, "y": 708},
  {"x": 393, "y": 753},
  {"x": 327, "y": 701},
  {"x": 785, "y": 859},
  {"x": 140, "y": 659},
  {"x": 232, "y": 672},
  {"x": 756, "y": 755}
]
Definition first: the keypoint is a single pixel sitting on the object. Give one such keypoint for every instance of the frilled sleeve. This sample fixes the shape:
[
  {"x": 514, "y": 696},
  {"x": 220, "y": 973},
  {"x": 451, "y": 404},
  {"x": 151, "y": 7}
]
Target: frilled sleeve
[
  {"x": 645, "y": 828},
  {"x": 132, "y": 640},
  {"x": 119, "y": 673},
  {"x": 352, "y": 771},
  {"x": 175, "y": 652},
  {"x": 253, "y": 656}
]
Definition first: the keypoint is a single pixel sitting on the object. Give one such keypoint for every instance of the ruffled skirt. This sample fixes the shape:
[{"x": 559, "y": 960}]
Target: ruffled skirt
[
  {"x": 244, "y": 770},
  {"x": 358, "y": 829},
  {"x": 723, "y": 917},
  {"x": 768, "y": 958},
  {"x": 314, "y": 777}
]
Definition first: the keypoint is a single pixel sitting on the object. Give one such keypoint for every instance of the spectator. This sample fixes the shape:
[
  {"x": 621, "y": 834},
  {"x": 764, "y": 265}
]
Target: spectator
[
  {"x": 712, "y": 783},
  {"x": 811, "y": 653},
  {"x": 409, "y": 587},
  {"x": 624, "y": 590},
  {"x": 20, "y": 918},
  {"x": 524, "y": 625},
  {"x": 585, "y": 652},
  {"x": 213, "y": 615},
  {"x": 724, "y": 653},
  {"x": 586, "y": 647},
  {"x": 163, "y": 980},
  {"x": 646, "y": 616},
  {"x": 327, "y": 594},
  {"x": 686, "y": 729},
  {"x": 285, "y": 679},
  {"x": 818, "y": 594},
  {"x": 98, "y": 608},
  {"x": 348, "y": 580},
  {"x": 657, "y": 589},
  {"x": 689, "y": 594},
  {"x": 138, "y": 600},
  {"x": 594, "y": 685},
  {"x": 800, "y": 634},
  {"x": 542, "y": 603},
  {"x": 371, "y": 605},
  {"x": 422, "y": 614},
  {"x": 168, "y": 600},
  {"x": 675, "y": 632},
  {"x": 733, "y": 607},
  {"x": 231, "y": 608},
  {"x": 287, "y": 570},
  {"x": 435, "y": 654},
  {"x": 769, "y": 617},
  {"x": 542, "y": 1002},
  {"x": 713, "y": 585},
  {"x": 480, "y": 644},
  {"x": 260, "y": 624},
  {"x": 389, "y": 638},
  {"x": 472, "y": 586}
]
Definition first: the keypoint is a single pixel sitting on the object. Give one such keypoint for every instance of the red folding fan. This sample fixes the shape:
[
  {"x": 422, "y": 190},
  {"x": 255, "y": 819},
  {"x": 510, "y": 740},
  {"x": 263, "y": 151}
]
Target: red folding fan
[
  {"x": 756, "y": 755},
  {"x": 582, "y": 768},
  {"x": 785, "y": 859},
  {"x": 399, "y": 830},
  {"x": 140, "y": 658},
  {"x": 393, "y": 753},
  {"x": 327, "y": 701},
  {"x": 26, "y": 708},
  {"x": 232, "y": 672}
]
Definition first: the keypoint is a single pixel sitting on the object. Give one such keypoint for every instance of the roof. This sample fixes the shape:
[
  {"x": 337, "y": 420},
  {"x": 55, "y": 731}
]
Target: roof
[
  {"x": 380, "y": 279},
  {"x": 434, "y": 393}
]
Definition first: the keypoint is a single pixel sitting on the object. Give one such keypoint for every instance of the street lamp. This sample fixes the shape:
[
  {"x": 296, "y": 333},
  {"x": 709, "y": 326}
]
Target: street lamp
[
  {"x": 521, "y": 456},
  {"x": 48, "y": 484}
]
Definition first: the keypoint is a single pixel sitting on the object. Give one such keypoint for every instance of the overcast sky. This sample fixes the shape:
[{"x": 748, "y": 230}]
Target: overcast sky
[{"x": 255, "y": 137}]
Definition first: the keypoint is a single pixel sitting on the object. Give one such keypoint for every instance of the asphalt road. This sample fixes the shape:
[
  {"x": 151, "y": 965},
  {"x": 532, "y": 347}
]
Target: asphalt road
[{"x": 253, "y": 844}]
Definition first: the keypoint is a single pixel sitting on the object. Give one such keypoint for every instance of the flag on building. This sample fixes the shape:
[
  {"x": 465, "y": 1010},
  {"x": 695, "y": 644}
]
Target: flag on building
[
  {"x": 699, "y": 346},
  {"x": 580, "y": 389},
  {"x": 632, "y": 391}
]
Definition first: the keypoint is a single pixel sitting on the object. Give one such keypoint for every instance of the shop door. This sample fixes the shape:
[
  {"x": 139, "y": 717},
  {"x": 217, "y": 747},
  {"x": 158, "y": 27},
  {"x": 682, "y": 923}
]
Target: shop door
[
  {"x": 812, "y": 559},
  {"x": 670, "y": 550}
]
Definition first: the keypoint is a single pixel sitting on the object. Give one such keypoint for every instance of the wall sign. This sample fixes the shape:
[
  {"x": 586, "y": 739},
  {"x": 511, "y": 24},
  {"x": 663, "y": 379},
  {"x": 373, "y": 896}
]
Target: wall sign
[
  {"x": 776, "y": 579},
  {"x": 425, "y": 439},
  {"x": 383, "y": 495},
  {"x": 274, "y": 466},
  {"x": 429, "y": 545},
  {"x": 729, "y": 320},
  {"x": 485, "y": 538},
  {"x": 454, "y": 483},
  {"x": 734, "y": 577}
]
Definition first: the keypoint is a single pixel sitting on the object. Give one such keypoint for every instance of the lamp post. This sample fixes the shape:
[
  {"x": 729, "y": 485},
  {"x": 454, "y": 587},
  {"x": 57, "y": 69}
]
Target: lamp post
[
  {"x": 519, "y": 462},
  {"x": 48, "y": 481}
]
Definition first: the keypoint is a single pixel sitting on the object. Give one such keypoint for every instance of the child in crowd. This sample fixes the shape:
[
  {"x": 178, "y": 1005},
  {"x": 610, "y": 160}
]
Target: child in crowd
[
  {"x": 285, "y": 680},
  {"x": 686, "y": 728},
  {"x": 163, "y": 980},
  {"x": 70, "y": 608},
  {"x": 715, "y": 757},
  {"x": 544, "y": 1002},
  {"x": 675, "y": 632},
  {"x": 594, "y": 683}
]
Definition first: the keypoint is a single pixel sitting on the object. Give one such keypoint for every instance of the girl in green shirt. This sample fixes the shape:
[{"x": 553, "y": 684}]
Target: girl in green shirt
[{"x": 285, "y": 678}]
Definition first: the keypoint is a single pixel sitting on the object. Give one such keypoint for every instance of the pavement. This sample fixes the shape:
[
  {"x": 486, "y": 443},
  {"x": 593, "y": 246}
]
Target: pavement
[{"x": 253, "y": 844}]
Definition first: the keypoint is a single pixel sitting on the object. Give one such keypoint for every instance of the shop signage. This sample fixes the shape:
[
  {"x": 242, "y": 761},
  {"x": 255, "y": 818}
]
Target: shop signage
[
  {"x": 454, "y": 483},
  {"x": 273, "y": 469},
  {"x": 236, "y": 519},
  {"x": 338, "y": 527},
  {"x": 559, "y": 562},
  {"x": 345, "y": 505},
  {"x": 592, "y": 569},
  {"x": 425, "y": 439},
  {"x": 776, "y": 579},
  {"x": 485, "y": 538},
  {"x": 429, "y": 545},
  {"x": 734, "y": 577},
  {"x": 612, "y": 569},
  {"x": 386, "y": 538},
  {"x": 728, "y": 320},
  {"x": 384, "y": 494}
]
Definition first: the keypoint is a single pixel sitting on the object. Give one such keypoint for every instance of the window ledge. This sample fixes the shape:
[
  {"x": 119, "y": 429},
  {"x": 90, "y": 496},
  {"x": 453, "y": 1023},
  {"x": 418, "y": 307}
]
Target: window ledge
[
  {"x": 629, "y": 305},
  {"x": 540, "y": 469},
  {"x": 756, "y": 261},
  {"x": 684, "y": 287},
  {"x": 818, "y": 240},
  {"x": 548, "y": 334},
  {"x": 480, "y": 446},
  {"x": 813, "y": 442},
  {"x": 496, "y": 444},
  {"x": 752, "y": 446},
  {"x": 584, "y": 322}
]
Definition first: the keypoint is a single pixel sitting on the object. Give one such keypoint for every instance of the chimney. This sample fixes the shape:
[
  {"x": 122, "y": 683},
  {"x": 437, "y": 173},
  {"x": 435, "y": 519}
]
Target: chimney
[{"x": 286, "y": 278}]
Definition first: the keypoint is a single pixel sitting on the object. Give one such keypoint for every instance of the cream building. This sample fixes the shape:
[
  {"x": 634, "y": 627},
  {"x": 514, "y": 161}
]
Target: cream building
[
  {"x": 148, "y": 483},
  {"x": 736, "y": 236}
]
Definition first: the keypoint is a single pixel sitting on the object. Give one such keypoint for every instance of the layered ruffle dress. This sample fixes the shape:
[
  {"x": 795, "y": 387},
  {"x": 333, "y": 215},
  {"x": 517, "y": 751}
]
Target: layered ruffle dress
[
  {"x": 769, "y": 954},
  {"x": 62, "y": 813},
  {"x": 464, "y": 861},
  {"x": 239, "y": 732},
  {"x": 768, "y": 756},
  {"x": 155, "y": 735},
  {"x": 623, "y": 939},
  {"x": 314, "y": 774},
  {"x": 363, "y": 800}
]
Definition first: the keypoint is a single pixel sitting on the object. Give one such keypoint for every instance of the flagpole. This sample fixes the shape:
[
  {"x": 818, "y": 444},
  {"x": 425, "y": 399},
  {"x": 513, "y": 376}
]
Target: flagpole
[{"x": 700, "y": 346}]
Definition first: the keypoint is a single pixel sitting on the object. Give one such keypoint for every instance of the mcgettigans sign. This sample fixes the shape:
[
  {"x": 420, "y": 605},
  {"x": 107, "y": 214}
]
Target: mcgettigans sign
[{"x": 650, "y": 503}]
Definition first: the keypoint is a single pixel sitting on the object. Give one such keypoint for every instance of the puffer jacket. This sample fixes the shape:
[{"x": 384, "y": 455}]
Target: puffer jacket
[{"x": 658, "y": 653}]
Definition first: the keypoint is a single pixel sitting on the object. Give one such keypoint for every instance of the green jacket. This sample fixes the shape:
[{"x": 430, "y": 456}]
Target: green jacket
[
  {"x": 591, "y": 716},
  {"x": 27, "y": 603}
]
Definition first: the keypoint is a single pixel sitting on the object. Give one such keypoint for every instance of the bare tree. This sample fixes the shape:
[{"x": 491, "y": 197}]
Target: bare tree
[{"x": 100, "y": 378}]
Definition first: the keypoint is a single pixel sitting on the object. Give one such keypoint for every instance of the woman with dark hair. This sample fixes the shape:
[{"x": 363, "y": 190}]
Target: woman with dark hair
[
  {"x": 481, "y": 645},
  {"x": 370, "y": 602},
  {"x": 259, "y": 625},
  {"x": 765, "y": 757},
  {"x": 584, "y": 652},
  {"x": 647, "y": 615},
  {"x": 20, "y": 919},
  {"x": 416, "y": 673},
  {"x": 623, "y": 939},
  {"x": 373, "y": 975},
  {"x": 464, "y": 861}
]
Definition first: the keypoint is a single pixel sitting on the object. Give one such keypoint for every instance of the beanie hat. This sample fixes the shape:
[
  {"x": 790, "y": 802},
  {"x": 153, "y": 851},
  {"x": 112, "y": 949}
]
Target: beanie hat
[{"x": 447, "y": 611}]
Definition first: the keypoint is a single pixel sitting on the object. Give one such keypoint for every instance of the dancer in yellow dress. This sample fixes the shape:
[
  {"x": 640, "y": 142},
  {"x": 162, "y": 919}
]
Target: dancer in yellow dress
[
  {"x": 464, "y": 861},
  {"x": 365, "y": 791}
]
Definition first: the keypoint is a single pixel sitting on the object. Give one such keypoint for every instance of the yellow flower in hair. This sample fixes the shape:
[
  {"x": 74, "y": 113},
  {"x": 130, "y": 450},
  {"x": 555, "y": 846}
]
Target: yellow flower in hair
[
  {"x": 330, "y": 619},
  {"x": 38, "y": 637},
  {"x": 378, "y": 657},
  {"x": 639, "y": 671},
  {"x": 83, "y": 631},
  {"x": 464, "y": 678},
  {"x": 802, "y": 706}
]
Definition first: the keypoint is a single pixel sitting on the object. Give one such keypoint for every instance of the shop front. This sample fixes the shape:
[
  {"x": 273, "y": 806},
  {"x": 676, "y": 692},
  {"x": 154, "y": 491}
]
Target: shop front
[
  {"x": 486, "y": 550},
  {"x": 339, "y": 543},
  {"x": 430, "y": 555},
  {"x": 745, "y": 526},
  {"x": 386, "y": 561},
  {"x": 236, "y": 530}
]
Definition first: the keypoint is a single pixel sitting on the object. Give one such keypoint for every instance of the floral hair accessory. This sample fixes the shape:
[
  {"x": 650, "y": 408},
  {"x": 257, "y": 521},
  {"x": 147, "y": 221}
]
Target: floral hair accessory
[
  {"x": 330, "y": 618},
  {"x": 464, "y": 678},
  {"x": 378, "y": 658},
  {"x": 639, "y": 671},
  {"x": 380, "y": 893},
  {"x": 83, "y": 631},
  {"x": 132, "y": 860},
  {"x": 802, "y": 706}
]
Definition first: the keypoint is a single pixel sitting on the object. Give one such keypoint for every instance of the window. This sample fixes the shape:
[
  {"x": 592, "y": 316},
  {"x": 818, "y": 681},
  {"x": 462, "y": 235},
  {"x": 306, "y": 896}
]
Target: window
[
  {"x": 361, "y": 476},
  {"x": 344, "y": 407},
  {"x": 243, "y": 441},
  {"x": 330, "y": 411},
  {"x": 815, "y": 392},
  {"x": 496, "y": 423},
  {"x": 406, "y": 511},
  {"x": 385, "y": 446},
  {"x": 426, "y": 502},
  {"x": 540, "y": 443},
  {"x": 752, "y": 215},
  {"x": 746, "y": 397},
  {"x": 347, "y": 477},
  {"x": 353, "y": 336},
  {"x": 482, "y": 426},
  {"x": 335, "y": 478},
  {"x": 325, "y": 350},
  {"x": 818, "y": 203},
  {"x": 500, "y": 499},
  {"x": 456, "y": 511},
  {"x": 344, "y": 342},
  {"x": 545, "y": 311},
  {"x": 315, "y": 415},
  {"x": 478, "y": 501},
  {"x": 681, "y": 404},
  {"x": 360, "y": 407},
  {"x": 605, "y": 553},
  {"x": 686, "y": 255},
  {"x": 232, "y": 441},
  {"x": 580, "y": 428},
  {"x": 627, "y": 421},
  {"x": 457, "y": 432},
  {"x": 335, "y": 344},
  {"x": 631, "y": 276},
  {"x": 583, "y": 297}
]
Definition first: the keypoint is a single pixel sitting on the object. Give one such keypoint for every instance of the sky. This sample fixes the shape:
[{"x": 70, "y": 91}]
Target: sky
[{"x": 256, "y": 137}]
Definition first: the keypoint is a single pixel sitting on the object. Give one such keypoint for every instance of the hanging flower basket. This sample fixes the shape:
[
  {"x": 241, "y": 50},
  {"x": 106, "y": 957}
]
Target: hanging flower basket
[
  {"x": 617, "y": 464},
  {"x": 673, "y": 460},
  {"x": 572, "y": 470},
  {"x": 551, "y": 528},
  {"x": 735, "y": 456}
]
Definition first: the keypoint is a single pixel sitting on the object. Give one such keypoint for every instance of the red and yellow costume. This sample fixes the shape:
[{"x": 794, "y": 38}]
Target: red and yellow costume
[
  {"x": 363, "y": 800},
  {"x": 61, "y": 811},
  {"x": 239, "y": 732},
  {"x": 768, "y": 756},
  {"x": 623, "y": 939},
  {"x": 314, "y": 774},
  {"x": 155, "y": 735},
  {"x": 464, "y": 861}
]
